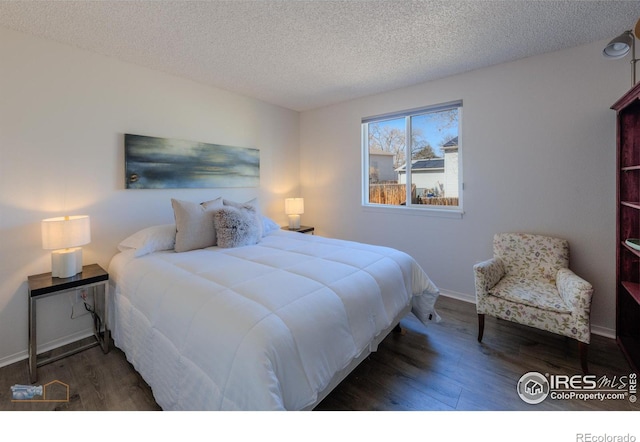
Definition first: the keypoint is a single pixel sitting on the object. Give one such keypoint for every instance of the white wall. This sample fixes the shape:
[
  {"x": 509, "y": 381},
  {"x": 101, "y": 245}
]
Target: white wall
[
  {"x": 63, "y": 116},
  {"x": 538, "y": 147}
]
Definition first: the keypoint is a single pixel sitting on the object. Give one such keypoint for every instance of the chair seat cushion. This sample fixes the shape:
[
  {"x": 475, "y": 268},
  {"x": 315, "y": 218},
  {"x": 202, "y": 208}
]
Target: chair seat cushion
[{"x": 532, "y": 292}]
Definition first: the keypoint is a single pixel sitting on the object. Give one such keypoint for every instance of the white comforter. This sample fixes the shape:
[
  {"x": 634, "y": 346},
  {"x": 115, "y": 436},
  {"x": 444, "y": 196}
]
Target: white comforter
[{"x": 262, "y": 327}]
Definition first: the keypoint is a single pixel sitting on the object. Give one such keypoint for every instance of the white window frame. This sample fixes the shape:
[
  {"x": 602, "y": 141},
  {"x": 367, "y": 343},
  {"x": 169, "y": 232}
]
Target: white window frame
[{"x": 415, "y": 209}]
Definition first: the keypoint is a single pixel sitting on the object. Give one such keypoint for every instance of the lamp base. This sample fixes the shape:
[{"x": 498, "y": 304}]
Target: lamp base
[
  {"x": 294, "y": 222},
  {"x": 66, "y": 263}
]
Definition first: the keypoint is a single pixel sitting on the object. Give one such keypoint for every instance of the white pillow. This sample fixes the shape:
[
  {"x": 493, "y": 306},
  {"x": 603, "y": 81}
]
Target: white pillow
[
  {"x": 268, "y": 226},
  {"x": 253, "y": 203},
  {"x": 151, "y": 239},
  {"x": 194, "y": 224}
]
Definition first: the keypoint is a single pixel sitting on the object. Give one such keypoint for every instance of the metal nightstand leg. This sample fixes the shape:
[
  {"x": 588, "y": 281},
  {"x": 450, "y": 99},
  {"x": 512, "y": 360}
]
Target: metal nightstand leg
[{"x": 33, "y": 375}]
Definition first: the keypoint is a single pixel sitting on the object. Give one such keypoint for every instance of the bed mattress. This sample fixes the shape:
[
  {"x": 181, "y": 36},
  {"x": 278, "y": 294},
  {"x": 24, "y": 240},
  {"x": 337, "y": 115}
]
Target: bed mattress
[{"x": 260, "y": 327}]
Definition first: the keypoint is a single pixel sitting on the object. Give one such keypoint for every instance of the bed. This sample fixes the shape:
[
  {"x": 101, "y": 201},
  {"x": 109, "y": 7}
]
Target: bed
[{"x": 271, "y": 325}]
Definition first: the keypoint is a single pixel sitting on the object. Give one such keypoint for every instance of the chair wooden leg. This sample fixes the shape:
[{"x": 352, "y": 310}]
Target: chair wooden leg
[
  {"x": 480, "y": 326},
  {"x": 584, "y": 350},
  {"x": 399, "y": 330}
]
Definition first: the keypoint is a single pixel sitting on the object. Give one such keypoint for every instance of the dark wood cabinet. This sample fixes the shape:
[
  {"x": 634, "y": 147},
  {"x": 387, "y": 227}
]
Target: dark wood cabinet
[{"x": 628, "y": 225}]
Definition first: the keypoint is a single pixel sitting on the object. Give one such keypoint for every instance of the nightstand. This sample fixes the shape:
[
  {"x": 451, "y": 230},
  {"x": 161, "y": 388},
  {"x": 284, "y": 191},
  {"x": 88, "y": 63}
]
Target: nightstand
[
  {"x": 301, "y": 229},
  {"x": 44, "y": 285}
]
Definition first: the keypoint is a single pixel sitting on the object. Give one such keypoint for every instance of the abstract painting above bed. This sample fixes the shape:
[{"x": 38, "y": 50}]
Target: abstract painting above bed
[{"x": 161, "y": 163}]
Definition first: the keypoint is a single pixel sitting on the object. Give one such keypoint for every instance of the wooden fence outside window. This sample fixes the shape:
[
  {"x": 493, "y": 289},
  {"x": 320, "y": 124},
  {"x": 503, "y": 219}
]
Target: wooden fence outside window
[{"x": 395, "y": 195}]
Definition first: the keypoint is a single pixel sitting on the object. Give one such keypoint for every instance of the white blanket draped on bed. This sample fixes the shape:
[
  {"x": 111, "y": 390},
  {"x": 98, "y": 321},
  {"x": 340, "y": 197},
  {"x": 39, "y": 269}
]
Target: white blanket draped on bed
[{"x": 262, "y": 327}]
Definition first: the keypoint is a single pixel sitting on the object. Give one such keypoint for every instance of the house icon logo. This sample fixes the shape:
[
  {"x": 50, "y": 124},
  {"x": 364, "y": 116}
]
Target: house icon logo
[{"x": 533, "y": 387}]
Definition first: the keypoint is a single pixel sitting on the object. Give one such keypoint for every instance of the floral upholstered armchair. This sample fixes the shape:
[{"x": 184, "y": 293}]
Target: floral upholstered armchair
[{"x": 528, "y": 281}]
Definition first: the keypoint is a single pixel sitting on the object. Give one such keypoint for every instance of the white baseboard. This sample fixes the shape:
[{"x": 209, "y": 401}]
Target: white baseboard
[
  {"x": 595, "y": 329},
  {"x": 603, "y": 331},
  {"x": 459, "y": 296},
  {"x": 8, "y": 360}
]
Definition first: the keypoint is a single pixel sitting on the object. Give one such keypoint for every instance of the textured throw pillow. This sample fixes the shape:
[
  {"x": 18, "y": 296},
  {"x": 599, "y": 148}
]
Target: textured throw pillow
[
  {"x": 251, "y": 203},
  {"x": 237, "y": 226},
  {"x": 194, "y": 224}
]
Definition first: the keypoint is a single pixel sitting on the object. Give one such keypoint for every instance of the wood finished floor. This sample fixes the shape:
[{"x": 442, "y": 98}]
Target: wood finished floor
[{"x": 439, "y": 367}]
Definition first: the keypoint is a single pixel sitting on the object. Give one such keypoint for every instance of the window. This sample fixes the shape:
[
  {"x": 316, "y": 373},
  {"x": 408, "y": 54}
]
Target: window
[{"x": 429, "y": 138}]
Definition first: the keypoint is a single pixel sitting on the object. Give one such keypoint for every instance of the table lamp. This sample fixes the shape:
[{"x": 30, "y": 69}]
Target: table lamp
[
  {"x": 294, "y": 207},
  {"x": 64, "y": 235}
]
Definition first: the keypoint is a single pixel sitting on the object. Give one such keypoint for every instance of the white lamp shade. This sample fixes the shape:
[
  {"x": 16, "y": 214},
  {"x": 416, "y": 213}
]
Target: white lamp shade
[
  {"x": 619, "y": 46},
  {"x": 64, "y": 235},
  {"x": 65, "y": 232},
  {"x": 294, "y": 206}
]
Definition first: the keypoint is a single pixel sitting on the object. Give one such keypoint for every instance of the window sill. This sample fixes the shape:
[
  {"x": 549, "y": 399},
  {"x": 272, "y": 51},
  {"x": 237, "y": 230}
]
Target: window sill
[{"x": 419, "y": 211}]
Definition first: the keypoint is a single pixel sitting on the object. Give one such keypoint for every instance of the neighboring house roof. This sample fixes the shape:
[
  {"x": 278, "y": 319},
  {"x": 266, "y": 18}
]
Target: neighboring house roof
[
  {"x": 430, "y": 164},
  {"x": 451, "y": 143}
]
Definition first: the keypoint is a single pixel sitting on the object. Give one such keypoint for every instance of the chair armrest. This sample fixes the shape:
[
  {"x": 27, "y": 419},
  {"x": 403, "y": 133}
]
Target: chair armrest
[
  {"x": 575, "y": 291},
  {"x": 487, "y": 274}
]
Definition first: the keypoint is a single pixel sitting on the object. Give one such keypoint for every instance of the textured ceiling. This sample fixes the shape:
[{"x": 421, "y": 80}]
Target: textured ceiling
[{"x": 307, "y": 54}]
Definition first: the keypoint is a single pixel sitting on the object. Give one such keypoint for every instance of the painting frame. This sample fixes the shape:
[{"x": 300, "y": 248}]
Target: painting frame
[{"x": 169, "y": 163}]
